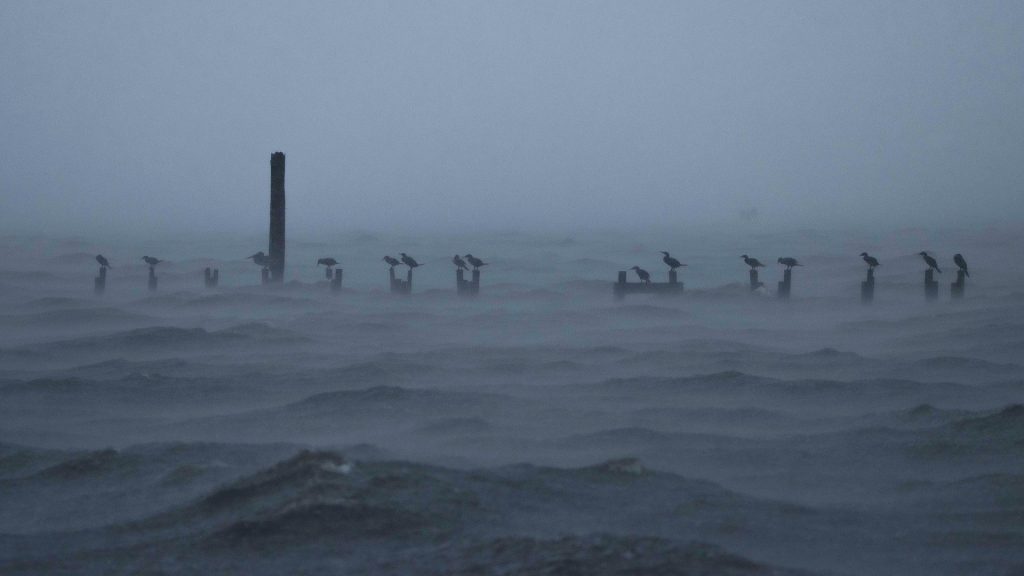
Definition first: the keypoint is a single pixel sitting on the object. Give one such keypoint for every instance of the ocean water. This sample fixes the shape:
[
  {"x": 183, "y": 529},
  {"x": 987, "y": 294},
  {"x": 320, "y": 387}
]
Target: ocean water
[{"x": 540, "y": 428}]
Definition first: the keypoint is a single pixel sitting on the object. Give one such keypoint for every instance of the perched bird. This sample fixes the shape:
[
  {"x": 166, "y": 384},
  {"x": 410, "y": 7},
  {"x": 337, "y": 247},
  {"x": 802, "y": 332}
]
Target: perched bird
[
  {"x": 475, "y": 262},
  {"x": 958, "y": 259},
  {"x": 459, "y": 262},
  {"x": 103, "y": 261},
  {"x": 644, "y": 275},
  {"x": 329, "y": 262},
  {"x": 260, "y": 259},
  {"x": 391, "y": 261},
  {"x": 754, "y": 263},
  {"x": 871, "y": 260},
  {"x": 409, "y": 260},
  {"x": 672, "y": 262},
  {"x": 789, "y": 262},
  {"x": 151, "y": 261},
  {"x": 930, "y": 261}
]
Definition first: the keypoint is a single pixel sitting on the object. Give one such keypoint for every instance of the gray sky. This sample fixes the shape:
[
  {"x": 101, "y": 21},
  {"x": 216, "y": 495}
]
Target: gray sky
[{"x": 145, "y": 116}]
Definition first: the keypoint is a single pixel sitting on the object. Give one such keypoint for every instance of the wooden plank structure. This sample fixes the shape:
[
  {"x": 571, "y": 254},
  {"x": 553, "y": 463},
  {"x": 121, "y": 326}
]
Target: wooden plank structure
[
  {"x": 622, "y": 287},
  {"x": 335, "y": 279},
  {"x": 956, "y": 289},
  {"x": 931, "y": 287},
  {"x": 152, "y": 279},
  {"x": 399, "y": 286},
  {"x": 867, "y": 287},
  {"x": 211, "y": 277},
  {"x": 465, "y": 287},
  {"x": 786, "y": 284},
  {"x": 277, "y": 220},
  {"x": 100, "y": 282}
]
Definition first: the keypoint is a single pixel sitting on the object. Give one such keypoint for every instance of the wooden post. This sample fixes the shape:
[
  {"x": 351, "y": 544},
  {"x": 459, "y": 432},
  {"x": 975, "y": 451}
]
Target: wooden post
[
  {"x": 277, "y": 217},
  {"x": 329, "y": 273},
  {"x": 464, "y": 288},
  {"x": 211, "y": 277},
  {"x": 265, "y": 275},
  {"x": 931, "y": 287},
  {"x": 672, "y": 278},
  {"x": 100, "y": 282},
  {"x": 754, "y": 284},
  {"x": 336, "y": 281},
  {"x": 152, "y": 279},
  {"x": 867, "y": 287},
  {"x": 786, "y": 284},
  {"x": 619, "y": 289},
  {"x": 408, "y": 281},
  {"x": 956, "y": 289},
  {"x": 476, "y": 282}
]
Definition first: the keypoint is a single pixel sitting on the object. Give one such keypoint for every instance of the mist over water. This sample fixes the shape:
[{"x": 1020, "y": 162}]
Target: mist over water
[{"x": 541, "y": 427}]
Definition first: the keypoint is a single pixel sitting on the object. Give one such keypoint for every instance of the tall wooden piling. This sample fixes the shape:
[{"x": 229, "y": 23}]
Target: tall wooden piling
[
  {"x": 100, "y": 282},
  {"x": 399, "y": 286},
  {"x": 785, "y": 284},
  {"x": 335, "y": 280},
  {"x": 265, "y": 275},
  {"x": 464, "y": 287},
  {"x": 152, "y": 279},
  {"x": 956, "y": 289},
  {"x": 931, "y": 287},
  {"x": 754, "y": 283},
  {"x": 867, "y": 287},
  {"x": 277, "y": 217},
  {"x": 619, "y": 290}
]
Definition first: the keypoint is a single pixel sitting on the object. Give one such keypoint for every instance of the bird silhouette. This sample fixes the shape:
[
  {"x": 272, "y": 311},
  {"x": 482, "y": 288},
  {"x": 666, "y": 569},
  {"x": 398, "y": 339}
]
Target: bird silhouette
[
  {"x": 672, "y": 262},
  {"x": 260, "y": 259},
  {"x": 391, "y": 261},
  {"x": 754, "y": 263},
  {"x": 789, "y": 262},
  {"x": 329, "y": 262},
  {"x": 459, "y": 262},
  {"x": 930, "y": 261},
  {"x": 409, "y": 260},
  {"x": 958, "y": 259},
  {"x": 644, "y": 275},
  {"x": 871, "y": 260},
  {"x": 103, "y": 261},
  {"x": 475, "y": 262},
  {"x": 151, "y": 261}
]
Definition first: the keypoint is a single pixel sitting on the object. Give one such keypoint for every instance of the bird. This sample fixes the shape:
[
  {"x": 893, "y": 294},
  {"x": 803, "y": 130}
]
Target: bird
[
  {"x": 409, "y": 260},
  {"x": 475, "y": 262},
  {"x": 329, "y": 262},
  {"x": 871, "y": 260},
  {"x": 672, "y": 262},
  {"x": 151, "y": 261},
  {"x": 930, "y": 261},
  {"x": 754, "y": 263},
  {"x": 644, "y": 275},
  {"x": 459, "y": 262},
  {"x": 391, "y": 261},
  {"x": 789, "y": 262},
  {"x": 260, "y": 259},
  {"x": 103, "y": 261},
  {"x": 962, "y": 264}
]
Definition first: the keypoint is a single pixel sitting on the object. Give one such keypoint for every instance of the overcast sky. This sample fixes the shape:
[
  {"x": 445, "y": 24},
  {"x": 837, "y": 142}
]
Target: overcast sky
[{"x": 162, "y": 115}]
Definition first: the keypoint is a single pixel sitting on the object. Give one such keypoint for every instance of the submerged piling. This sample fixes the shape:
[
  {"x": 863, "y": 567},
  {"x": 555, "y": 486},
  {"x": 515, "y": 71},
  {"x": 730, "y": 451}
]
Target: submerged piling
[
  {"x": 399, "y": 286},
  {"x": 152, "y": 279},
  {"x": 754, "y": 283},
  {"x": 464, "y": 287},
  {"x": 335, "y": 279},
  {"x": 100, "y": 282},
  {"x": 785, "y": 284},
  {"x": 956, "y": 289},
  {"x": 931, "y": 287},
  {"x": 277, "y": 217},
  {"x": 867, "y": 287},
  {"x": 211, "y": 276}
]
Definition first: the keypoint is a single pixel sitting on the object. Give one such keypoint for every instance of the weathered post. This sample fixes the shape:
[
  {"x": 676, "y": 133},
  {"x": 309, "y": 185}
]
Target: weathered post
[
  {"x": 336, "y": 281},
  {"x": 464, "y": 287},
  {"x": 152, "y": 279},
  {"x": 277, "y": 217},
  {"x": 867, "y": 287},
  {"x": 211, "y": 277},
  {"x": 754, "y": 284},
  {"x": 476, "y": 282},
  {"x": 399, "y": 286},
  {"x": 100, "y": 282},
  {"x": 956, "y": 289},
  {"x": 672, "y": 278},
  {"x": 408, "y": 281},
  {"x": 265, "y": 275},
  {"x": 329, "y": 272},
  {"x": 620, "y": 286},
  {"x": 787, "y": 282},
  {"x": 931, "y": 287}
]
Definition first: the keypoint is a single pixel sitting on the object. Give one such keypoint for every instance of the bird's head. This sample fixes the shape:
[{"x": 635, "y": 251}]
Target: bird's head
[
  {"x": 635, "y": 268},
  {"x": 922, "y": 253},
  {"x": 744, "y": 256},
  {"x": 779, "y": 260},
  {"x": 402, "y": 253},
  {"x": 864, "y": 254},
  {"x": 665, "y": 253},
  {"x": 469, "y": 255}
]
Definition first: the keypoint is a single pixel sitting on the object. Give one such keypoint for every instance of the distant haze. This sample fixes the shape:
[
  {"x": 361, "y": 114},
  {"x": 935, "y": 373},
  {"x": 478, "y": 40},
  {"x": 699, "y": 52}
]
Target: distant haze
[{"x": 161, "y": 116}]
